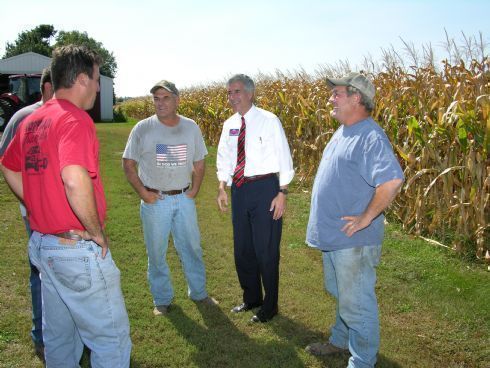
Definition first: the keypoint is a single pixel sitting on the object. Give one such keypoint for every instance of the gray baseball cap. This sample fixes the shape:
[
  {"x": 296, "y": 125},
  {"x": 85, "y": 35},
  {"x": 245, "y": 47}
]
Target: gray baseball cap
[
  {"x": 357, "y": 80},
  {"x": 169, "y": 86}
]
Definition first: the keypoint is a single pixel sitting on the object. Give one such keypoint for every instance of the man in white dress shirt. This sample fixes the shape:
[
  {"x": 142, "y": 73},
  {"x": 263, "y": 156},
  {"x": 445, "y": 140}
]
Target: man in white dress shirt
[{"x": 254, "y": 159}]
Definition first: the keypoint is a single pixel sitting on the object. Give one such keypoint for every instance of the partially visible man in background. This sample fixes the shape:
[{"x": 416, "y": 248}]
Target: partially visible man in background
[{"x": 34, "y": 280}]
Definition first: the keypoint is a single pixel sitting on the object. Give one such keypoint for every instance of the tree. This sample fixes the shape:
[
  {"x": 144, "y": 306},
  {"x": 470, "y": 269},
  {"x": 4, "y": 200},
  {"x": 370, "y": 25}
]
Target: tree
[
  {"x": 109, "y": 65},
  {"x": 36, "y": 40}
]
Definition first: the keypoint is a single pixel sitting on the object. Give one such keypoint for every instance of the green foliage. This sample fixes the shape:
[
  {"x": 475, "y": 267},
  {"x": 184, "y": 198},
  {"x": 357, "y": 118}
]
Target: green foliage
[
  {"x": 109, "y": 65},
  {"x": 36, "y": 40}
]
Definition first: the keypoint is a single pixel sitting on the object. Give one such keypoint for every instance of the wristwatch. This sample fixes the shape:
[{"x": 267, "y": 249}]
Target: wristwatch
[{"x": 283, "y": 191}]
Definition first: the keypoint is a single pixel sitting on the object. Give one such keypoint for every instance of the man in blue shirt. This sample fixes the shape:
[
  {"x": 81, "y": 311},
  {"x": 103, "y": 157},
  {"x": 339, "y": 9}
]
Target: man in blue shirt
[{"x": 357, "y": 179}]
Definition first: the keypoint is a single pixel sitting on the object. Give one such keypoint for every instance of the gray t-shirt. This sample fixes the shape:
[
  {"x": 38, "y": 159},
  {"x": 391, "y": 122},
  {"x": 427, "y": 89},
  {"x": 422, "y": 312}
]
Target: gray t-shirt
[
  {"x": 10, "y": 130},
  {"x": 165, "y": 155},
  {"x": 356, "y": 160},
  {"x": 14, "y": 123}
]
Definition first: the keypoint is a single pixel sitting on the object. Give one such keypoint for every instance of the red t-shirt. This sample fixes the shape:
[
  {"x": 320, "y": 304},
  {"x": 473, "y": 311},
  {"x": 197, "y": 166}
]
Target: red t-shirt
[{"x": 56, "y": 135}]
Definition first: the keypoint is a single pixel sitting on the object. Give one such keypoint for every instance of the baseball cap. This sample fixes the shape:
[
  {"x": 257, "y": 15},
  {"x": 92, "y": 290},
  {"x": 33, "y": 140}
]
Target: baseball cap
[
  {"x": 169, "y": 86},
  {"x": 357, "y": 80}
]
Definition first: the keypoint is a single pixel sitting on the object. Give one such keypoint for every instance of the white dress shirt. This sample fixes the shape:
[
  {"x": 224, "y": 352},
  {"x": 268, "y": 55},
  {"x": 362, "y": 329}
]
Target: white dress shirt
[{"x": 266, "y": 147}]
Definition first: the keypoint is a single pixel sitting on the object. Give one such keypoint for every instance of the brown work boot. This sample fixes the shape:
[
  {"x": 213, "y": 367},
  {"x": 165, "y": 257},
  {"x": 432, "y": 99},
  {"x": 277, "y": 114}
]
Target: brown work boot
[
  {"x": 320, "y": 348},
  {"x": 160, "y": 310}
]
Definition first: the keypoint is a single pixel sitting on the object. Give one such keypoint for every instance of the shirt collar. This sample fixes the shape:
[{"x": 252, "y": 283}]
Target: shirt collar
[{"x": 250, "y": 113}]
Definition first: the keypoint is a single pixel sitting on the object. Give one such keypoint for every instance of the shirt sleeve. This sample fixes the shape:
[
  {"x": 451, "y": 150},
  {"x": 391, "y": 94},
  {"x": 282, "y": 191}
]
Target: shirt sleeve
[
  {"x": 200, "y": 147},
  {"x": 286, "y": 170},
  {"x": 380, "y": 163},
  {"x": 76, "y": 145},
  {"x": 11, "y": 158},
  {"x": 132, "y": 151},
  {"x": 7, "y": 137},
  {"x": 224, "y": 156}
]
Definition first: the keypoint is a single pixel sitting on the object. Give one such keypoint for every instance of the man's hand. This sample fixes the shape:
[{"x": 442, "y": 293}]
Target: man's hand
[
  {"x": 101, "y": 240},
  {"x": 278, "y": 205},
  {"x": 148, "y": 196},
  {"x": 191, "y": 193},
  {"x": 354, "y": 224},
  {"x": 383, "y": 196},
  {"x": 222, "y": 199}
]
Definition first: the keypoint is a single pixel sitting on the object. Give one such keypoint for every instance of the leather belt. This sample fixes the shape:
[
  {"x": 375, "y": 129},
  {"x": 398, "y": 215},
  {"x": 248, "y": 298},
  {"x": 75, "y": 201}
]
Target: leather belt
[
  {"x": 69, "y": 235},
  {"x": 167, "y": 192},
  {"x": 249, "y": 179}
]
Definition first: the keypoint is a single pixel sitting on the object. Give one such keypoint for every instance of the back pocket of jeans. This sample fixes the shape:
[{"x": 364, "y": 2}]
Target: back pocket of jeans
[{"x": 72, "y": 272}]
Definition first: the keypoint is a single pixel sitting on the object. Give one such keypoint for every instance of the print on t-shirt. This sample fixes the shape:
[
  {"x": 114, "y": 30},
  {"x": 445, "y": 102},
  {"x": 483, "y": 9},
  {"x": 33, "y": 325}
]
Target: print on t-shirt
[
  {"x": 35, "y": 133},
  {"x": 35, "y": 160},
  {"x": 169, "y": 155}
]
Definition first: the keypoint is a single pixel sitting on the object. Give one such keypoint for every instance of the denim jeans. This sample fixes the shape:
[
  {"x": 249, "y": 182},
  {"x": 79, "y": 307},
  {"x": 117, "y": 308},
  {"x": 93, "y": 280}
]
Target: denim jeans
[
  {"x": 82, "y": 303},
  {"x": 36, "y": 299},
  {"x": 177, "y": 215},
  {"x": 350, "y": 277}
]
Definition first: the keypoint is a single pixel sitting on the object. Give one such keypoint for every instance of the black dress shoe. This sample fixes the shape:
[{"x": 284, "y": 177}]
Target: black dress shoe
[
  {"x": 244, "y": 307},
  {"x": 261, "y": 317}
]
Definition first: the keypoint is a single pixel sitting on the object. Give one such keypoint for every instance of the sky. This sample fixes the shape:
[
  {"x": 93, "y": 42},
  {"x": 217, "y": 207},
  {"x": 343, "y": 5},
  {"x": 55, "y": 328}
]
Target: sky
[{"x": 194, "y": 43}]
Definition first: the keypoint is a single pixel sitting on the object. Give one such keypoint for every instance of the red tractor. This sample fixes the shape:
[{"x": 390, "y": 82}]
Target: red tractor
[{"x": 23, "y": 90}]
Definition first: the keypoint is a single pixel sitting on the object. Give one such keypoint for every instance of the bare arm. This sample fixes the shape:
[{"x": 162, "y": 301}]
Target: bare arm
[
  {"x": 130, "y": 169},
  {"x": 197, "y": 178},
  {"x": 80, "y": 193},
  {"x": 14, "y": 180},
  {"x": 383, "y": 196}
]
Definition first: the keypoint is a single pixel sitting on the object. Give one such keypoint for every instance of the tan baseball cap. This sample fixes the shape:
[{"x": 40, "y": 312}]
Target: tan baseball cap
[
  {"x": 169, "y": 86},
  {"x": 356, "y": 80}
]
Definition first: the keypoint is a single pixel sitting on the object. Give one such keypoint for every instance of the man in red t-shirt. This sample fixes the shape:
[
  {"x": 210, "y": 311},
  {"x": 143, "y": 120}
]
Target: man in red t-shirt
[{"x": 52, "y": 164}]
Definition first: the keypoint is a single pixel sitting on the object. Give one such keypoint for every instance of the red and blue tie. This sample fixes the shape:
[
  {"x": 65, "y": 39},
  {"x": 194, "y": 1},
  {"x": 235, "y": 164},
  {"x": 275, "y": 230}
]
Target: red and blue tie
[{"x": 238, "y": 176}]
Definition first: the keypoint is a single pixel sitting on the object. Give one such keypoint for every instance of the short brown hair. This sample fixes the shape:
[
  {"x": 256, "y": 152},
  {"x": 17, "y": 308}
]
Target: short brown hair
[{"x": 69, "y": 61}]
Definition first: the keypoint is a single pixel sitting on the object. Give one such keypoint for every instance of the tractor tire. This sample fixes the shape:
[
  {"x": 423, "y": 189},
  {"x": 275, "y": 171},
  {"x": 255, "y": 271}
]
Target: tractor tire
[{"x": 6, "y": 112}]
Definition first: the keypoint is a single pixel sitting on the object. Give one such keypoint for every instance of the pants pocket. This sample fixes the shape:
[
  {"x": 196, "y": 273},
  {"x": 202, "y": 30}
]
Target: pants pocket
[{"x": 72, "y": 272}]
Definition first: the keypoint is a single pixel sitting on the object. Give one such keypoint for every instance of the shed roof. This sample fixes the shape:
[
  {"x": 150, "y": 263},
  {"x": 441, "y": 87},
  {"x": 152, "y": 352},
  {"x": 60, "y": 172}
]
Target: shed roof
[{"x": 27, "y": 63}]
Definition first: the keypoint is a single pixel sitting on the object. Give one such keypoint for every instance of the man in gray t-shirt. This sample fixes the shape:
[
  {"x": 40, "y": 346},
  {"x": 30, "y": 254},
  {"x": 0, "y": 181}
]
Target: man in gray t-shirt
[{"x": 164, "y": 163}]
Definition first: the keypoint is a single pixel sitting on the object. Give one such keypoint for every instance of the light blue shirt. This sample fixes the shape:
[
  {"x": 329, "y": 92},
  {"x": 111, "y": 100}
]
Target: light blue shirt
[{"x": 355, "y": 161}]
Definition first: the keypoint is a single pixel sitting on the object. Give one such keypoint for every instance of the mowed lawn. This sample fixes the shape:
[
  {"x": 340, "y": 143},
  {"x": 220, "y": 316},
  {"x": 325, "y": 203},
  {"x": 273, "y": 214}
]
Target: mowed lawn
[{"x": 434, "y": 307}]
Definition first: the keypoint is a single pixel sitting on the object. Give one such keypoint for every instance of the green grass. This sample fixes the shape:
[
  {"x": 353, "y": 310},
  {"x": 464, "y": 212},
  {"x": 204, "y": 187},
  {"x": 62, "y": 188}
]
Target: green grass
[{"x": 434, "y": 307}]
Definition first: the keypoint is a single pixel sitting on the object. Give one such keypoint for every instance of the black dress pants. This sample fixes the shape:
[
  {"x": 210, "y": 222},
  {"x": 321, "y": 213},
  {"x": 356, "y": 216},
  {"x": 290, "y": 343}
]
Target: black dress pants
[{"x": 257, "y": 240}]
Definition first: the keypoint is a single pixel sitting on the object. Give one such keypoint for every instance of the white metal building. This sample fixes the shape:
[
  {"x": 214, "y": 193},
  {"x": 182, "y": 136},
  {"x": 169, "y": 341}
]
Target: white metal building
[{"x": 33, "y": 63}]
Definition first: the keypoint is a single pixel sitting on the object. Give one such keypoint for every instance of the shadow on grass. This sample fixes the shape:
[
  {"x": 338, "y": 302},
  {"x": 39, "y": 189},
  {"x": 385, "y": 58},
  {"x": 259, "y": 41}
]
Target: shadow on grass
[
  {"x": 221, "y": 344},
  {"x": 299, "y": 336}
]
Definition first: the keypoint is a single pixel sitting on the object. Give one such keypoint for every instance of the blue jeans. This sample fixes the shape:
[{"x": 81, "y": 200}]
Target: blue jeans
[
  {"x": 177, "y": 215},
  {"x": 82, "y": 303},
  {"x": 36, "y": 299},
  {"x": 350, "y": 277}
]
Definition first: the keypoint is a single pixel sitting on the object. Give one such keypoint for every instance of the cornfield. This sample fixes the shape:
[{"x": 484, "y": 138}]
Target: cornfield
[{"x": 437, "y": 121}]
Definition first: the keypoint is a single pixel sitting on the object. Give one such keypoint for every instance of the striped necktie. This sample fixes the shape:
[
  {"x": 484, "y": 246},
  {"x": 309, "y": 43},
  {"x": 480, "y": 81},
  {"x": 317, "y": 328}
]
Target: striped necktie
[{"x": 238, "y": 176}]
